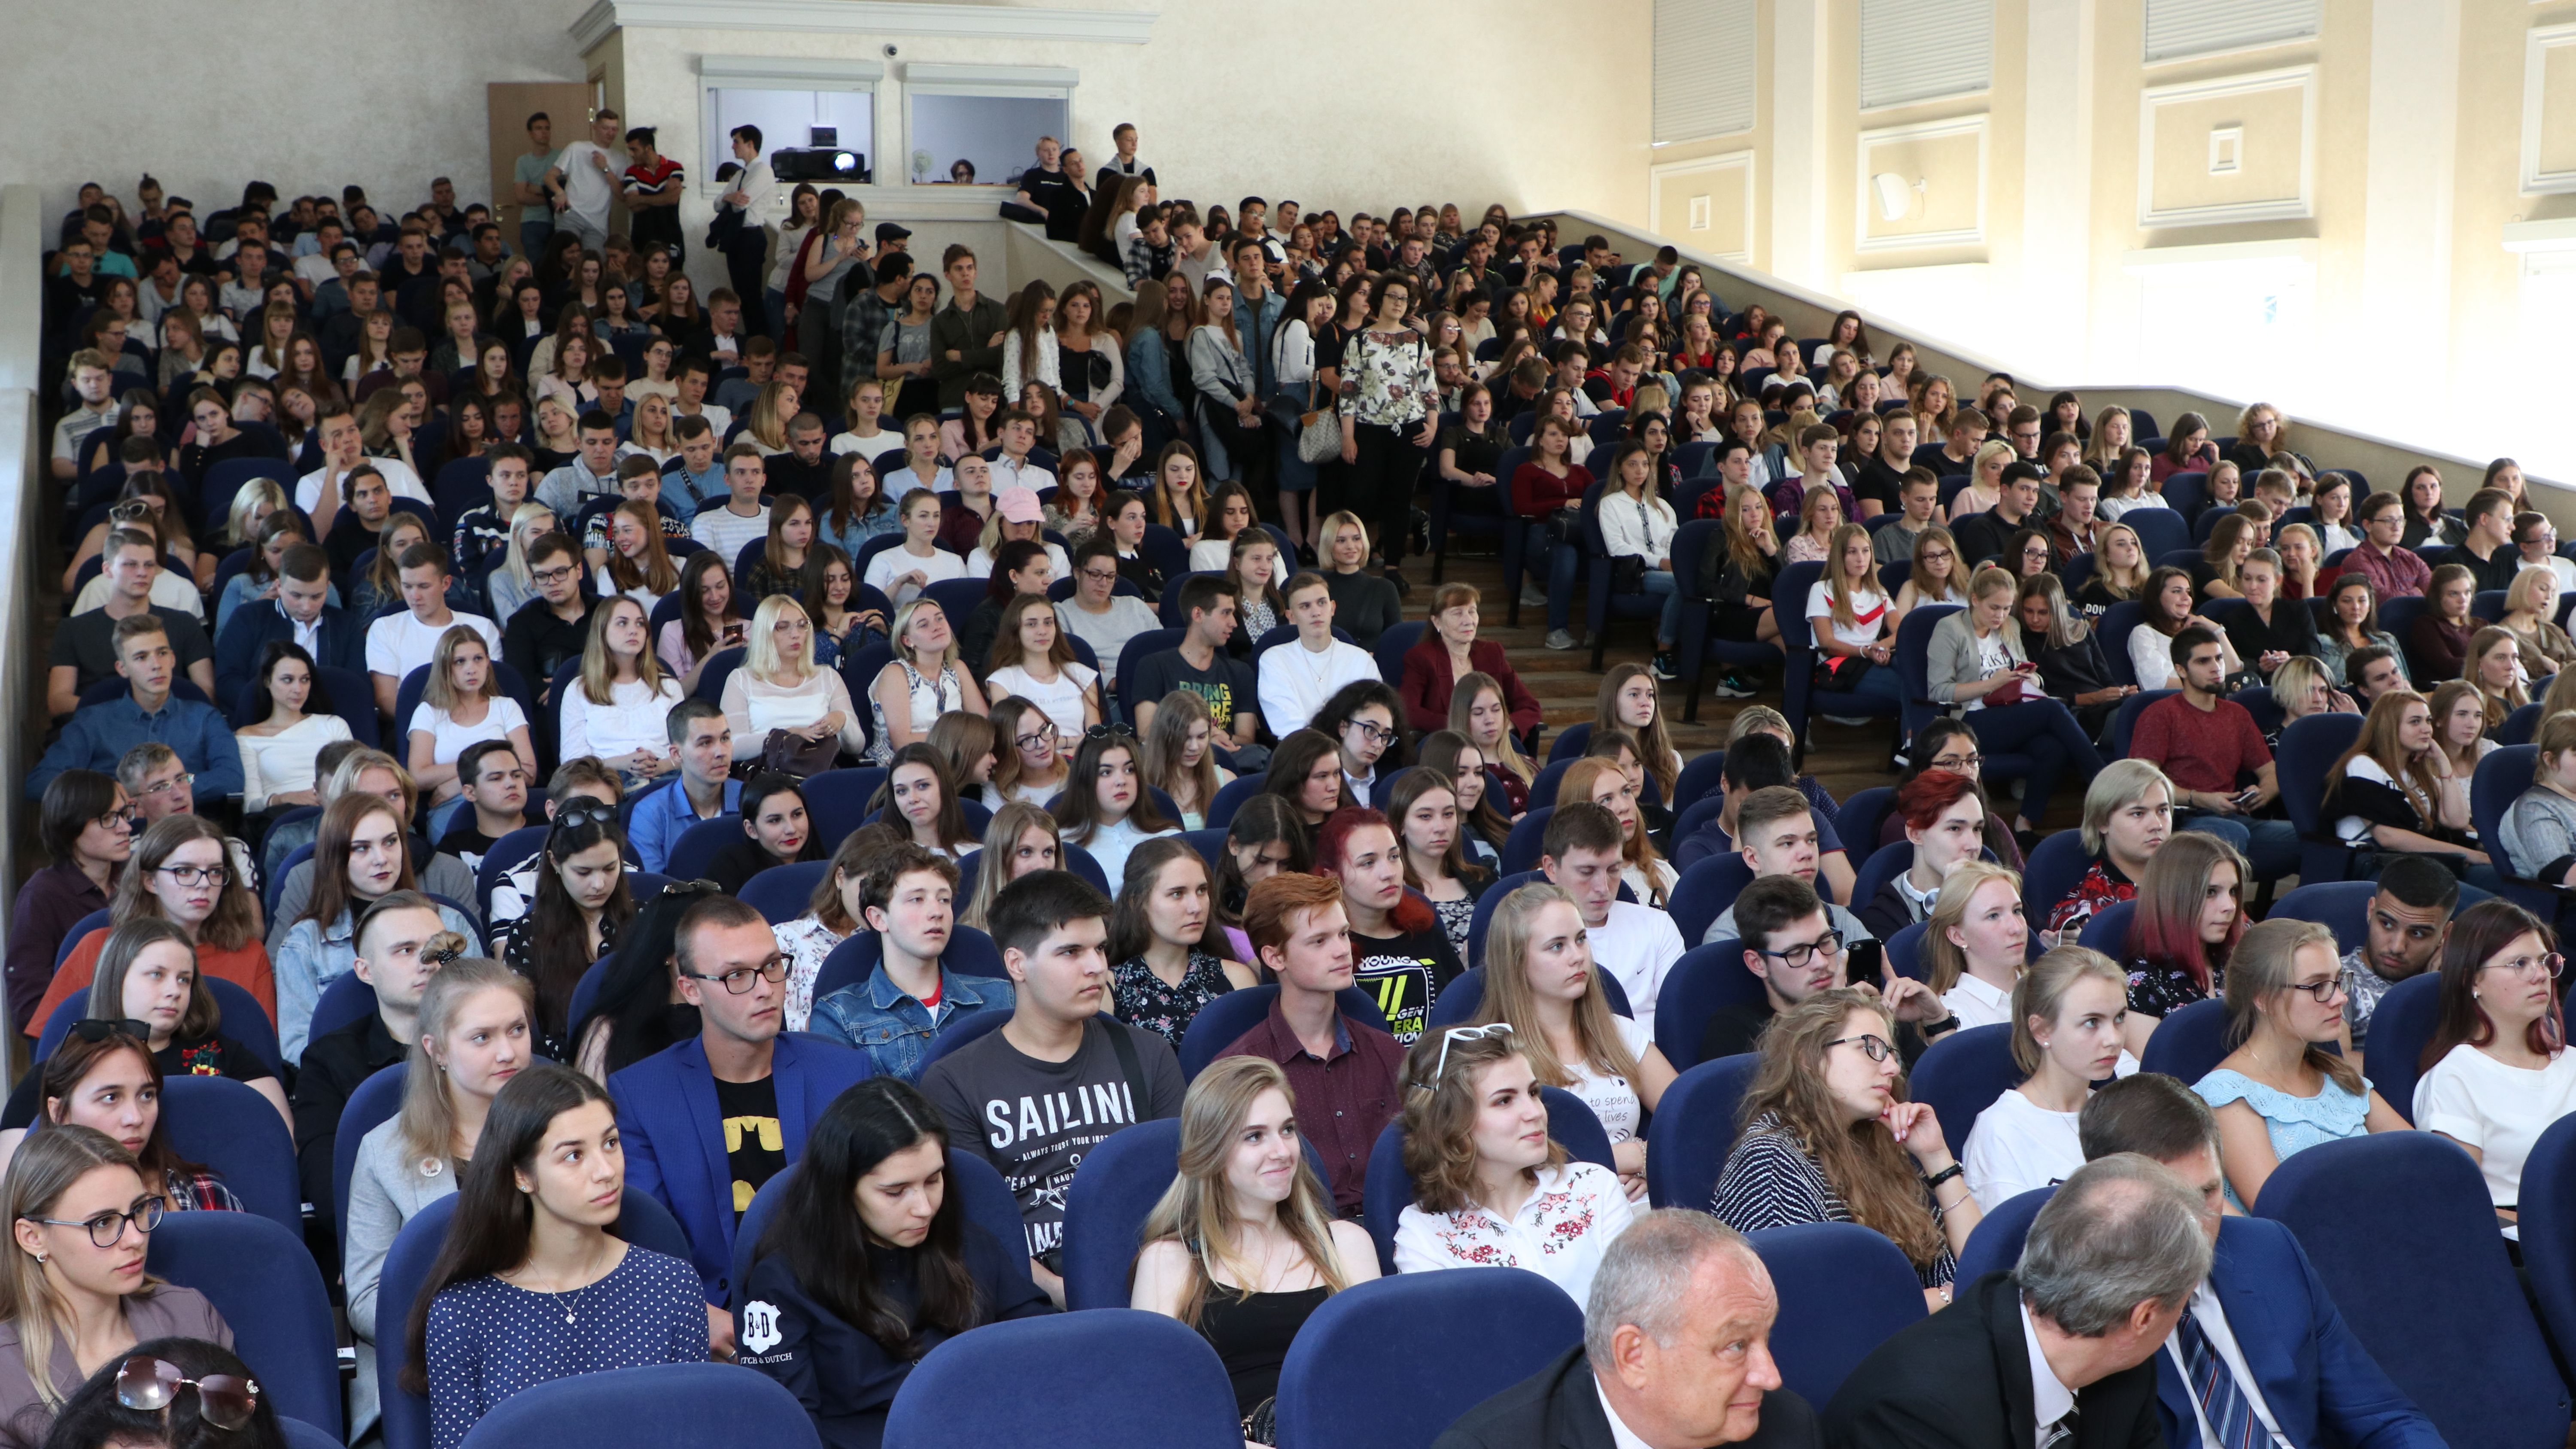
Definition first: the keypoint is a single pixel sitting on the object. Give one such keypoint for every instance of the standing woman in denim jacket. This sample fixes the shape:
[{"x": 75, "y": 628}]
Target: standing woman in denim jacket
[
  {"x": 1149, "y": 365},
  {"x": 1390, "y": 406}
]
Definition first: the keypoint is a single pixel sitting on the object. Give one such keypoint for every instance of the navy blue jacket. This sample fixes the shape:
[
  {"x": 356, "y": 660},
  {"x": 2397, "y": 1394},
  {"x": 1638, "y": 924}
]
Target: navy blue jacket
[
  {"x": 674, "y": 1135},
  {"x": 2321, "y": 1385},
  {"x": 247, "y": 634}
]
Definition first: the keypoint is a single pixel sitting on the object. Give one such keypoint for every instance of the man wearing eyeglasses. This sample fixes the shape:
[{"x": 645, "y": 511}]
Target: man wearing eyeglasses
[
  {"x": 161, "y": 785},
  {"x": 1795, "y": 943},
  {"x": 97, "y": 736},
  {"x": 554, "y": 627},
  {"x": 391, "y": 942},
  {"x": 709, "y": 1120}
]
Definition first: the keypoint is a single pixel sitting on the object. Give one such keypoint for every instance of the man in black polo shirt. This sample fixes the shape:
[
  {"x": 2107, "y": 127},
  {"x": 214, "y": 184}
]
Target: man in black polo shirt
[{"x": 555, "y": 625}]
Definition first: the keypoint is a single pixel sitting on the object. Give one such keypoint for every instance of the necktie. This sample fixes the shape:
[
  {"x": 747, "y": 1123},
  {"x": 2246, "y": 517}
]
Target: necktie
[
  {"x": 2062, "y": 1433},
  {"x": 2232, "y": 1424}
]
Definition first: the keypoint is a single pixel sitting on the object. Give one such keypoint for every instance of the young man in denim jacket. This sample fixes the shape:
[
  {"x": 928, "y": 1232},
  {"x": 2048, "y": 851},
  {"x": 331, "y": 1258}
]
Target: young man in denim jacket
[{"x": 909, "y": 899}]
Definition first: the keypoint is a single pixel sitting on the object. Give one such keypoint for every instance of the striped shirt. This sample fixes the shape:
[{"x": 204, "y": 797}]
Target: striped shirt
[{"x": 1771, "y": 1182}]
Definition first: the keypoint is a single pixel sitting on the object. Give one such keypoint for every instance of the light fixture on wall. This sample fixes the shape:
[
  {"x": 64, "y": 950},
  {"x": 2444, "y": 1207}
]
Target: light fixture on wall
[{"x": 1895, "y": 196}]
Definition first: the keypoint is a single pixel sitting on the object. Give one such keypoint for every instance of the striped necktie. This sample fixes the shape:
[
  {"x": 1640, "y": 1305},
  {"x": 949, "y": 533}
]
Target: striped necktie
[
  {"x": 2061, "y": 1434},
  {"x": 2232, "y": 1424}
]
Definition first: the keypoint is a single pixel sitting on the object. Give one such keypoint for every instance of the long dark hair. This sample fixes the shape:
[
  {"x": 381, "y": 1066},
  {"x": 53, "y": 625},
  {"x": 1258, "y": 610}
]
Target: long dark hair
[
  {"x": 819, "y": 1235},
  {"x": 952, "y": 816},
  {"x": 559, "y": 944},
  {"x": 1440, "y": 752},
  {"x": 494, "y": 1220},
  {"x": 1080, "y": 816},
  {"x": 1130, "y": 932},
  {"x": 317, "y": 700},
  {"x": 1261, "y": 820},
  {"x": 71, "y": 1064},
  {"x": 2477, "y": 934},
  {"x": 635, "y": 986}
]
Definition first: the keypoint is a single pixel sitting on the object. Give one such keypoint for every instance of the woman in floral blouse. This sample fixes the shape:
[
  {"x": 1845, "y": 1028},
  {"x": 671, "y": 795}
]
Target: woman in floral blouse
[
  {"x": 1164, "y": 936},
  {"x": 1390, "y": 407},
  {"x": 1491, "y": 1188}
]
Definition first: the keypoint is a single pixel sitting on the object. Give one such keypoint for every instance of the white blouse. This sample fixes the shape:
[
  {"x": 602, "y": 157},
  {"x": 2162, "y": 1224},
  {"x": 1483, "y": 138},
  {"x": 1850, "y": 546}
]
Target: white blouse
[
  {"x": 1061, "y": 701},
  {"x": 282, "y": 763},
  {"x": 448, "y": 739},
  {"x": 2479, "y": 1102},
  {"x": 2018, "y": 1145},
  {"x": 635, "y": 718},
  {"x": 1613, "y": 1099},
  {"x": 754, "y": 707},
  {"x": 1560, "y": 1233},
  {"x": 806, "y": 940}
]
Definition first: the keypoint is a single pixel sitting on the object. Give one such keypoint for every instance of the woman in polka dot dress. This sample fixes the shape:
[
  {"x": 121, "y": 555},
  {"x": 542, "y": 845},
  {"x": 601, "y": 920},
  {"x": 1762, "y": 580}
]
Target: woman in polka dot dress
[{"x": 530, "y": 1286}]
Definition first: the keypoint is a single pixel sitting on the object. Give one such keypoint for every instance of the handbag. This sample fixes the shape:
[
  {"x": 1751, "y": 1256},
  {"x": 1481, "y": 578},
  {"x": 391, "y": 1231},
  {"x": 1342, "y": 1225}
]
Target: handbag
[
  {"x": 2014, "y": 691},
  {"x": 793, "y": 754},
  {"x": 1319, "y": 431},
  {"x": 1627, "y": 573}
]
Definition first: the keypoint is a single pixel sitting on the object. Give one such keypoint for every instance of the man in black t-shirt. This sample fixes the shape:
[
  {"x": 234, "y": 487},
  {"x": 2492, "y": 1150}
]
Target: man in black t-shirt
[
  {"x": 1047, "y": 190},
  {"x": 1037, "y": 1094},
  {"x": 496, "y": 794},
  {"x": 1200, "y": 666},
  {"x": 553, "y": 627}
]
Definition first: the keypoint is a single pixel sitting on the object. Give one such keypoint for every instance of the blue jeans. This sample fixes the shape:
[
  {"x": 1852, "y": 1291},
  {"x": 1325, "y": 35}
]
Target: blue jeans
[
  {"x": 773, "y": 302},
  {"x": 534, "y": 230},
  {"x": 2270, "y": 847},
  {"x": 1564, "y": 564},
  {"x": 2045, "y": 730},
  {"x": 1878, "y": 683},
  {"x": 1662, "y": 583}
]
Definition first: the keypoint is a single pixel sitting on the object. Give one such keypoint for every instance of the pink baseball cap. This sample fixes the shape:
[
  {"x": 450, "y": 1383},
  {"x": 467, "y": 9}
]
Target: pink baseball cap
[{"x": 1019, "y": 505}]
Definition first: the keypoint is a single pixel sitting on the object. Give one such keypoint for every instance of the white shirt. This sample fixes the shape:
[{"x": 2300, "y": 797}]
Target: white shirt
[
  {"x": 169, "y": 591},
  {"x": 1061, "y": 701},
  {"x": 2018, "y": 1145},
  {"x": 1023, "y": 474},
  {"x": 635, "y": 718},
  {"x": 398, "y": 476},
  {"x": 282, "y": 763},
  {"x": 869, "y": 446},
  {"x": 1636, "y": 945},
  {"x": 400, "y": 643},
  {"x": 1213, "y": 555},
  {"x": 1642, "y": 529},
  {"x": 759, "y": 184},
  {"x": 979, "y": 564},
  {"x": 1978, "y": 1003},
  {"x": 2212, "y": 1318},
  {"x": 2151, "y": 655},
  {"x": 448, "y": 739},
  {"x": 1110, "y": 845},
  {"x": 1614, "y": 1099},
  {"x": 587, "y": 189},
  {"x": 1560, "y": 1233},
  {"x": 1621, "y": 1436},
  {"x": 903, "y": 480},
  {"x": 727, "y": 532},
  {"x": 1295, "y": 680},
  {"x": 2479, "y": 1102},
  {"x": 893, "y": 563},
  {"x": 1869, "y": 614},
  {"x": 2565, "y": 569},
  {"x": 2050, "y": 1400}
]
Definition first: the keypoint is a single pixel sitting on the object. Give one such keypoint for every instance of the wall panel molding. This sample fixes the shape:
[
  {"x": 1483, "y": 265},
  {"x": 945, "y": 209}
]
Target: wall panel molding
[
  {"x": 2539, "y": 177},
  {"x": 1713, "y": 167},
  {"x": 1865, "y": 209},
  {"x": 2299, "y": 206}
]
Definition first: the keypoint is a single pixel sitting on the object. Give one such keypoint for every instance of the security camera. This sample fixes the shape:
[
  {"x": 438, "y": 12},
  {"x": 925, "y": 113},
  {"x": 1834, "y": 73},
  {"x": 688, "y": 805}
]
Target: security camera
[{"x": 892, "y": 52}]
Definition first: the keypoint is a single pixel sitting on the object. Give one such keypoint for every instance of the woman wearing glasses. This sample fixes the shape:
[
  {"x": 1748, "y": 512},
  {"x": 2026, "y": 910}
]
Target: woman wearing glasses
[
  {"x": 2286, "y": 1088},
  {"x": 179, "y": 874},
  {"x": 2500, "y": 977},
  {"x": 1029, "y": 768},
  {"x": 530, "y": 1286},
  {"x": 1362, "y": 717},
  {"x": 1830, "y": 1137},
  {"x": 581, "y": 906},
  {"x": 360, "y": 856},
  {"x": 1491, "y": 1188},
  {"x": 75, "y": 1297},
  {"x": 87, "y": 826},
  {"x": 476, "y": 1032},
  {"x": 1106, "y": 807}
]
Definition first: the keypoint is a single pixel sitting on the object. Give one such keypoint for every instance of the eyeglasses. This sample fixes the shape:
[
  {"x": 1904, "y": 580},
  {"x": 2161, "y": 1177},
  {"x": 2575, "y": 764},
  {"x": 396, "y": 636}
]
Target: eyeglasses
[
  {"x": 2323, "y": 990},
  {"x": 1831, "y": 943},
  {"x": 1872, "y": 1043},
  {"x": 223, "y": 1400},
  {"x": 1459, "y": 1034},
  {"x": 1375, "y": 734},
  {"x": 106, "y": 1228},
  {"x": 1033, "y": 741},
  {"x": 551, "y": 576},
  {"x": 2549, "y": 967},
  {"x": 1099, "y": 576},
  {"x": 738, "y": 980},
  {"x": 115, "y": 820},
  {"x": 132, "y": 510},
  {"x": 197, "y": 875},
  {"x": 1955, "y": 763},
  {"x": 94, "y": 1029}
]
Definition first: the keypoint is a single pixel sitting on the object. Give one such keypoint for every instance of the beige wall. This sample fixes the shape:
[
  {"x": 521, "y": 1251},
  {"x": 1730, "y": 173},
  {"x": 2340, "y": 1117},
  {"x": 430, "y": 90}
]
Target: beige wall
[{"x": 2353, "y": 266}]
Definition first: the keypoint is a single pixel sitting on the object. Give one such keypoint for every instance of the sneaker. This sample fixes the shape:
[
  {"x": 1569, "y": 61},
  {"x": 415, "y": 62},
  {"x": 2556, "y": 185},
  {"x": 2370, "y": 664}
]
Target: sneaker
[
  {"x": 1731, "y": 686},
  {"x": 1561, "y": 639},
  {"x": 1850, "y": 721},
  {"x": 1662, "y": 666},
  {"x": 1533, "y": 597}
]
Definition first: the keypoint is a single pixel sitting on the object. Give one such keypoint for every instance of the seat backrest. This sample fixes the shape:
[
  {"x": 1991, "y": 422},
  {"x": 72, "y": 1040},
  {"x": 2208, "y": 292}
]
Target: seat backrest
[
  {"x": 1407, "y": 1329},
  {"x": 1542, "y": 790},
  {"x": 1994, "y": 1244},
  {"x": 1571, "y": 742},
  {"x": 1705, "y": 892},
  {"x": 1700, "y": 776},
  {"x": 682, "y": 1403},
  {"x": 1105, "y": 1206},
  {"x": 1858, "y": 820},
  {"x": 94, "y": 921},
  {"x": 370, "y": 1106},
  {"x": 1132, "y": 655},
  {"x": 838, "y": 800},
  {"x": 2108, "y": 930},
  {"x": 345, "y": 1000},
  {"x": 1706, "y": 980},
  {"x": 2401, "y": 1231},
  {"x": 780, "y": 892},
  {"x": 1693, "y": 1130},
  {"x": 234, "y": 1130},
  {"x": 1904, "y": 950},
  {"x": 1114, "y": 1376},
  {"x": 2125, "y": 723},
  {"x": 2500, "y": 779},
  {"x": 1391, "y": 646},
  {"x": 259, "y": 1275},
  {"x": 2188, "y": 1044},
  {"x": 1913, "y": 661},
  {"x": 1229, "y": 1016},
  {"x": 1230, "y": 798},
  {"x": 2401, "y": 1026},
  {"x": 2052, "y": 871},
  {"x": 2548, "y": 1215},
  {"x": 698, "y": 845},
  {"x": 2309, "y": 748},
  {"x": 2343, "y": 906},
  {"x": 1522, "y": 848},
  {"x": 2519, "y": 726},
  {"x": 1882, "y": 865},
  {"x": 1962, "y": 1075},
  {"x": 1843, "y": 1289}
]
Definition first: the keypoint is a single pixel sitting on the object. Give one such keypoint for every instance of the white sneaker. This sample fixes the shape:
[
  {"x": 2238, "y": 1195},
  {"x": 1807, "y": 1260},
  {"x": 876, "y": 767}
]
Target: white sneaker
[
  {"x": 1533, "y": 597},
  {"x": 1560, "y": 639}
]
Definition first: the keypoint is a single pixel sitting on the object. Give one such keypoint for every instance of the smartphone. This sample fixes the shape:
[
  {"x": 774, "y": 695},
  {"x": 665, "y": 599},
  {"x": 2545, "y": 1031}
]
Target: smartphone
[{"x": 1861, "y": 963}]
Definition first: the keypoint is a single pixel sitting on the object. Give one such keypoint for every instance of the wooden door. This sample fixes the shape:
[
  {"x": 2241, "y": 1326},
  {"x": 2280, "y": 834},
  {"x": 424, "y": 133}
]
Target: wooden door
[{"x": 566, "y": 103}]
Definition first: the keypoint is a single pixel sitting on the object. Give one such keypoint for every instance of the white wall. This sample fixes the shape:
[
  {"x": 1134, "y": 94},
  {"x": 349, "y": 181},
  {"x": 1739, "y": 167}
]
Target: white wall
[{"x": 302, "y": 94}]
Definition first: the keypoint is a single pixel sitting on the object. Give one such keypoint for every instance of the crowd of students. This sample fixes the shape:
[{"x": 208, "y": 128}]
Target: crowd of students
[{"x": 526, "y": 548}]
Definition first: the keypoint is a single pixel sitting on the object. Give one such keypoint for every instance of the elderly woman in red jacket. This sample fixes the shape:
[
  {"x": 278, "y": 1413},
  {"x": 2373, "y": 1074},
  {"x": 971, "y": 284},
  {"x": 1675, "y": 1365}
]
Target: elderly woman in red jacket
[{"x": 1450, "y": 649}]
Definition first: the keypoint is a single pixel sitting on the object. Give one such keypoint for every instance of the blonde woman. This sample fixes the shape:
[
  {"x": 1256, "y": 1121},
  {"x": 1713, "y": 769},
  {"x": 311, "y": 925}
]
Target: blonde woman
[
  {"x": 650, "y": 437},
  {"x": 618, "y": 709},
  {"x": 2111, "y": 438},
  {"x": 2301, "y": 554},
  {"x": 1541, "y": 980},
  {"x": 1244, "y": 1247},
  {"x": 1985, "y": 480},
  {"x": 1975, "y": 941},
  {"x": 511, "y": 586},
  {"x": 462, "y": 703},
  {"x": 638, "y": 565},
  {"x": 1480, "y": 710},
  {"x": 2120, "y": 571},
  {"x": 1021, "y": 838},
  {"x": 2067, "y": 1015},
  {"x": 922, "y": 682},
  {"x": 1179, "y": 759},
  {"x": 1854, "y": 628},
  {"x": 2493, "y": 669},
  {"x": 2530, "y": 605},
  {"x": 1820, "y": 514},
  {"x": 779, "y": 692}
]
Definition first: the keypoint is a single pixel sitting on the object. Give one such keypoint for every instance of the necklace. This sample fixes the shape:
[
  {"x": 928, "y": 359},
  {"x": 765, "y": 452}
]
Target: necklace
[{"x": 575, "y": 1301}]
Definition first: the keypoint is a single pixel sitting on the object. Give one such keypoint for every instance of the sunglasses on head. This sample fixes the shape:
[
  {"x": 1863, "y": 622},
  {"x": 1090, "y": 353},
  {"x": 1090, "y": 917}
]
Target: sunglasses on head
[
  {"x": 152, "y": 1384},
  {"x": 94, "y": 1029}
]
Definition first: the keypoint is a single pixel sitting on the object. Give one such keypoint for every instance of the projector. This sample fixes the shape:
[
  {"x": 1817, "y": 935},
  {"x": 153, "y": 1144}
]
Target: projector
[{"x": 819, "y": 163}]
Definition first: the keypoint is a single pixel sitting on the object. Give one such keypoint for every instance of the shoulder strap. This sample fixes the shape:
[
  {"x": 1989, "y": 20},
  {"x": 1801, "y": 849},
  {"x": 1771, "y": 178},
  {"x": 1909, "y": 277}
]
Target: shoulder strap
[{"x": 1138, "y": 1098}]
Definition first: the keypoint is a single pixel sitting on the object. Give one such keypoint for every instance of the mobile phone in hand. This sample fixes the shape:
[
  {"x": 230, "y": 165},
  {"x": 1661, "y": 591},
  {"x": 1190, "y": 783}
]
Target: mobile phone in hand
[{"x": 1861, "y": 963}]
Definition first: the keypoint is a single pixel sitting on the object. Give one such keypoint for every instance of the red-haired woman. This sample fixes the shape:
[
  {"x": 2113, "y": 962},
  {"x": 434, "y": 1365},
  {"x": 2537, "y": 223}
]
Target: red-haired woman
[{"x": 1399, "y": 954}]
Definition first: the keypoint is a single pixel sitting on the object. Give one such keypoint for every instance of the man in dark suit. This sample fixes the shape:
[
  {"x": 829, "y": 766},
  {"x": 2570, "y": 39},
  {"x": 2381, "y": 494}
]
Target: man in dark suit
[
  {"x": 2055, "y": 1354},
  {"x": 301, "y": 612},
  {"x": 1675, "y": 1354},
  {"x": 708, "y": 1121},
  {"x": 2289, "y": 1360}
]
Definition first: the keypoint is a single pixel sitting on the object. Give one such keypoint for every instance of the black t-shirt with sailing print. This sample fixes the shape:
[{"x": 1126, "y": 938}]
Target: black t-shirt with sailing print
[{"x": 1404, "y": 975}]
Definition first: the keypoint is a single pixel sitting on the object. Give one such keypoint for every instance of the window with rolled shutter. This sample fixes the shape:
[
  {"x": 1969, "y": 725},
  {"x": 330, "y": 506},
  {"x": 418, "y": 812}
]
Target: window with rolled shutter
[
  {"x": 2180, "y": 28},
  {"x": 1703, "y": 68},
  {"x": 1922, "y": 50}
]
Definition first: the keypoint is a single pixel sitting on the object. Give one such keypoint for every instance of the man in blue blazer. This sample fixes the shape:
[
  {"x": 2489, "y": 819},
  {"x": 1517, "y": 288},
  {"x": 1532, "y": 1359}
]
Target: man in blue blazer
[
  {"x": 708, "y": 1121},
  {"x": 302, "y": 612},
  {"x": 2265, "y": 1338}
]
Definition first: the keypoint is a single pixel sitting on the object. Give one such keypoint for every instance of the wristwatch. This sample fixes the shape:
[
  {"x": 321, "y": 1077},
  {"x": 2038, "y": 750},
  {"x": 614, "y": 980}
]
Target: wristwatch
[{"x": 1945, "y": 1025}]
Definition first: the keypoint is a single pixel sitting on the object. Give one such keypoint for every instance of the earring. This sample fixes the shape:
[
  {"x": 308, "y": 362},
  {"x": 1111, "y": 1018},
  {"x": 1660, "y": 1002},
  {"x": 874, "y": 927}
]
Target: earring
[{"x": 40, "y": 1259}]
